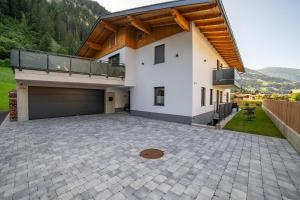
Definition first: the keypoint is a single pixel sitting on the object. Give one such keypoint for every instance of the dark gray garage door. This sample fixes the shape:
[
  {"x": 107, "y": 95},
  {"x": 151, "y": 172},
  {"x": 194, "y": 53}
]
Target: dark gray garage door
[{"x": 46, "y": 102}]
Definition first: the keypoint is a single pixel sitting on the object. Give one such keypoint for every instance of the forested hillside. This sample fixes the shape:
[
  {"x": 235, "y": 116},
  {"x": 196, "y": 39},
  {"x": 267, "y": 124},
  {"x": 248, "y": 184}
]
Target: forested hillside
[
  {"x": 292, "y": 74},
  {"x": 253, "y": 80},
  {"x": 47, "y": 25}
]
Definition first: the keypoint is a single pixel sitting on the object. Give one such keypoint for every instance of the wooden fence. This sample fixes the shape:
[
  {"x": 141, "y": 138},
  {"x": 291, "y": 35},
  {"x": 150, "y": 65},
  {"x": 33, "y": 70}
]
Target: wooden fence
[{"x": 286, "y": 111}]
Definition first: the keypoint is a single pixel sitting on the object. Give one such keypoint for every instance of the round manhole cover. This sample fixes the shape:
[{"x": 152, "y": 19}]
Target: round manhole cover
[{"x": 151, "y": 153}]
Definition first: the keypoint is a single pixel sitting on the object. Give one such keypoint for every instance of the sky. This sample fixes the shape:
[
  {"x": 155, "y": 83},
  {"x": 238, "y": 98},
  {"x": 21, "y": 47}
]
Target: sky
[{"x": 267, "y": 32}]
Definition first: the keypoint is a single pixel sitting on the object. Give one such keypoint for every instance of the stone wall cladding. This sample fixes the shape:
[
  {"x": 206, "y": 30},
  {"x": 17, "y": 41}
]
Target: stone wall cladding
[{"x": 13, "y": 113}]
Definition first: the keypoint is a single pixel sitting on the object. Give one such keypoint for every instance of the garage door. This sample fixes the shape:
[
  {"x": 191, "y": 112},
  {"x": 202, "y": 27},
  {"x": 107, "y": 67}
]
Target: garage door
[{"x": 46, "y": 102}]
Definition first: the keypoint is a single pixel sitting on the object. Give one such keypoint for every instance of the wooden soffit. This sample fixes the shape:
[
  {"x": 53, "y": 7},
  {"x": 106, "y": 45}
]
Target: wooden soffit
[{"x": 208, "y": 15}]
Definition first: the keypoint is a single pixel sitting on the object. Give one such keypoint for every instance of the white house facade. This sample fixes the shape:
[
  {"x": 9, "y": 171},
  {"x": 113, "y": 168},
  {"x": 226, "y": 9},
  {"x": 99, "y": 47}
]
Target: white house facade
[{"x": 177, "y": 68}]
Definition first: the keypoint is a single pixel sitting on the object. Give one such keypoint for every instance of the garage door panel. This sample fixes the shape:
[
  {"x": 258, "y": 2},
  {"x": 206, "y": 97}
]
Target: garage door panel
[{"x": 60, "y": 102}]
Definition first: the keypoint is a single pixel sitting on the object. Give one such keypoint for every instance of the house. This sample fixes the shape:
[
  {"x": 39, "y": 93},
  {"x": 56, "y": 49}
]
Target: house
[
  {"x": 174, "y": 61},
  {"x": 295, "y": 91},
  {"x": 245, "y": 97}
]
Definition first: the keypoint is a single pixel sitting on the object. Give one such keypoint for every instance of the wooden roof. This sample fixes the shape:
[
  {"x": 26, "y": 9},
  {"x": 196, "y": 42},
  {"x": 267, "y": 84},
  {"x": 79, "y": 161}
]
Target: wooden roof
[{"x": 208, "y": 15}]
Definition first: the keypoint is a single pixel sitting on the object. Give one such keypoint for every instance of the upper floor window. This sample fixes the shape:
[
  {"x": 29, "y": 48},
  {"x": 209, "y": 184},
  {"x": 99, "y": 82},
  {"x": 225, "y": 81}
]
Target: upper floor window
[
  {"x": 159, "y": 96},
  {"x": 159, "y": 54},
  {"x": 112, "y": 40},
  {"x": 218, "y": 64},
  {"x": 203, "y": 91},
  {"x": 114, "y": 60}
]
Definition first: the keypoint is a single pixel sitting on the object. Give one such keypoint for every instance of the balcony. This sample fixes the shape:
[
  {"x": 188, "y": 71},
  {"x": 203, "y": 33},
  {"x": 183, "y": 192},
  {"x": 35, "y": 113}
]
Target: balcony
[
  {"x": 49, "y": 62},
  {"x": 227, "y": 78},
  {"x": 41, "y": 66}
]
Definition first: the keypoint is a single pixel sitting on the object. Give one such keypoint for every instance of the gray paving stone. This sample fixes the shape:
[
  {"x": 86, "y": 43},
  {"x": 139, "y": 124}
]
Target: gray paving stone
[
  {"x": 97, "y": 157},
  {"x": 164, "y": 187},
  {"x": 103, "y": 195}
]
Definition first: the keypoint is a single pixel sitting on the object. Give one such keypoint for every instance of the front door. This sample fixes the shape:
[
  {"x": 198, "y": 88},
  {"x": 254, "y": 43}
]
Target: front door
[{"x": 110, "y": 102}]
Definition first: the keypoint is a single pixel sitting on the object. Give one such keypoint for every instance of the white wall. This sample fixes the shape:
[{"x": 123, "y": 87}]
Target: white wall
[
  {"x": 181, "y": 76},
  {"x": 175, "y": 75},
  {"x": 204, "y": 61},
  {"x": 121, "y": 96},
  {"x": 22, "y": 101}
]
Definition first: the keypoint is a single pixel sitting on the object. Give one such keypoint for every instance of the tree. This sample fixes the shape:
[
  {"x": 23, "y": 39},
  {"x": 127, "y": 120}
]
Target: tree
[
  {"x": 295, "y": 97},
  {"x": 3, "y": 7},
  {"x": 45, "y": 44}
]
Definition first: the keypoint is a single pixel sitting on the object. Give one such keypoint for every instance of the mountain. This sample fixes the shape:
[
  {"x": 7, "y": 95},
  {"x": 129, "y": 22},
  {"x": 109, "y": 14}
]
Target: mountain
[
  {"x": 47, "y": 25},
  {"x": 286, "y": 73},
  {"x": 253, "y": 80}
]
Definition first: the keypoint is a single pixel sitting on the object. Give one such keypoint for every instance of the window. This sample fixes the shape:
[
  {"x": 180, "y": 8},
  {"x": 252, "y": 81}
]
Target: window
[
  {"x": 218, "y": 64},
  {"x": 227, "y": 97},
  {"x": 159, "y": 54},
  {"x": 112, "y": 40},
  {"x": 159, "y": 96},
  {"x": 114, "y": 60},
  {"x": 211, "y": 97},
  {"x": 203, "y": 96},
  {"x": 221, "y": 97}
]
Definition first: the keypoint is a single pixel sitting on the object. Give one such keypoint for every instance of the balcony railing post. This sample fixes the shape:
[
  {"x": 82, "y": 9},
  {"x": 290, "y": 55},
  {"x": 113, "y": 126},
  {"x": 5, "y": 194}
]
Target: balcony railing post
[
  {"x": 19, "y": 57},
  {"x": 70, "y": 69},
  {"x": 47, "y": 63},
  {"x": 107, "y": 68},
  {"x": 90, "y": 68}
]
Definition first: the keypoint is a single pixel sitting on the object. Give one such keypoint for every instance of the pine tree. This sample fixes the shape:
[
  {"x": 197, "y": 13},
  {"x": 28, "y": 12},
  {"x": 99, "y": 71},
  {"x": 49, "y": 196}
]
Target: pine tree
[{"x": 45, "y": 44}]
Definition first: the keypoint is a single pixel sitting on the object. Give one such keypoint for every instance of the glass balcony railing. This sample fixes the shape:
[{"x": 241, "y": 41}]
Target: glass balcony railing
[
  {"x": 229, "y": 77},
  {"x": 49, "y": 62}
]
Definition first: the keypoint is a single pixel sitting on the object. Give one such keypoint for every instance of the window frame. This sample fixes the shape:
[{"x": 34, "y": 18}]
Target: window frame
[
  {"x": 203, "y": 96},
  {"x": 155, "y": 100},
  {"x": 156, "y": 60},
  {"x": 114, "y": 64}
]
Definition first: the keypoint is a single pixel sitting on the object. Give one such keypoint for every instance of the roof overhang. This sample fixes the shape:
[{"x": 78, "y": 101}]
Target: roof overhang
[{"x": 208, "y": 15}]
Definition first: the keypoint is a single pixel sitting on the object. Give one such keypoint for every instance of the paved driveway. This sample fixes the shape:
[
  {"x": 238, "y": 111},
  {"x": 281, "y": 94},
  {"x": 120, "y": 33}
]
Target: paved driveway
[{"x": 97, "y": 157}]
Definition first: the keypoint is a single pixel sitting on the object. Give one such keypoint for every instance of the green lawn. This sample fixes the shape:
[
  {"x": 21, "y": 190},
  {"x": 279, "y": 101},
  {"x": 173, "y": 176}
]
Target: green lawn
[
  {"x": 261, "y": 125},
  {"x": 7, "y": 83}
]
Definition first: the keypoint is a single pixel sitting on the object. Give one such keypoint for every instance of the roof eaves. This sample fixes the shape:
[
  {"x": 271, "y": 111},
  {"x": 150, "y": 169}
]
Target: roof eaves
[
  {"x": 221, "y": 6},
  {"x": 152, "y": 7},
  {"x": 140, "y": 10}
]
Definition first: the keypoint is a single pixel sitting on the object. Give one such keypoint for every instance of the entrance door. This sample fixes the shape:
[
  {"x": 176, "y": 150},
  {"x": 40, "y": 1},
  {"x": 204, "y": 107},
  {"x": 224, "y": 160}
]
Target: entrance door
[{"x": 110, "y": 102}]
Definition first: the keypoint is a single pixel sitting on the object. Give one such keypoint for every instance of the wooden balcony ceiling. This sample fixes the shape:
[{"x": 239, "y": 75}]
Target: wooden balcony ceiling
[{"x": 208, "y": 15}]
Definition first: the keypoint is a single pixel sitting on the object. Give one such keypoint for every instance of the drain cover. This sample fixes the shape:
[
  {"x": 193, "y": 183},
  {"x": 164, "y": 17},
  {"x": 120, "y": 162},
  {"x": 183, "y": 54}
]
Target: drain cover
[{"x": 151, "y": 153}]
